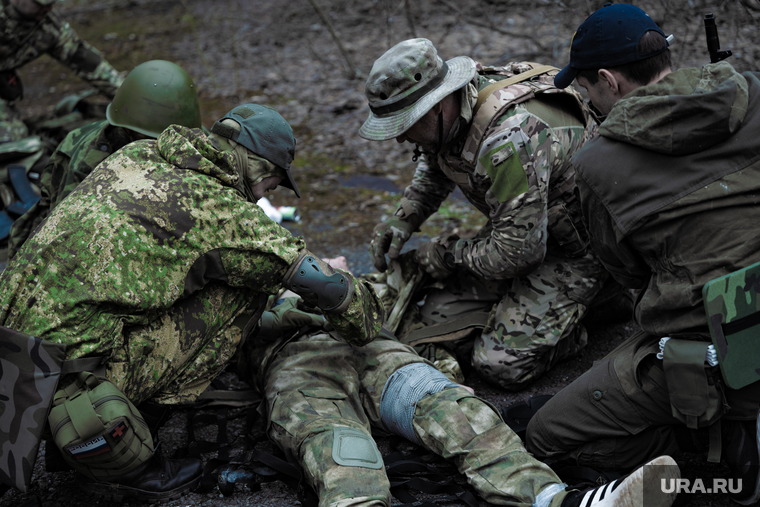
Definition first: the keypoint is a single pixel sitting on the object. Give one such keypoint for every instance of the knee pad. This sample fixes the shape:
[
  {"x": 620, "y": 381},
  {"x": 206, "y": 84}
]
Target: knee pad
[
  {"x": 407, "y": 386},
  {"x": 99, "y": 431},
  {"x": 354, "y": 448}
]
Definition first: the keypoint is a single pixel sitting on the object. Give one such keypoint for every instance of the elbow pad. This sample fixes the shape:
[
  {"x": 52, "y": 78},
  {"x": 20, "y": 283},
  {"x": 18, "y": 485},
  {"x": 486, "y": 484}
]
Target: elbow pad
[{"x": 319, "y": 284}]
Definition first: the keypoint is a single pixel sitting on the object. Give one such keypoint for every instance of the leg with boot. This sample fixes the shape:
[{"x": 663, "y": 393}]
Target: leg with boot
[
  {"x": 622, "y": 417},
  {"x": 169, "y": 362},
  {"x": 450, "y": 421}
]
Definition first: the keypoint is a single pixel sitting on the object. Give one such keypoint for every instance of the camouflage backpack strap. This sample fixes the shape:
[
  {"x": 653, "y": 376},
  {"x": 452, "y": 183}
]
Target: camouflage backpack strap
[{"x": 500, "y": 95}]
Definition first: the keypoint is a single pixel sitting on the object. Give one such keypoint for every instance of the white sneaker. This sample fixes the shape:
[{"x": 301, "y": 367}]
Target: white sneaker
[{"x": 631, "y": 490}]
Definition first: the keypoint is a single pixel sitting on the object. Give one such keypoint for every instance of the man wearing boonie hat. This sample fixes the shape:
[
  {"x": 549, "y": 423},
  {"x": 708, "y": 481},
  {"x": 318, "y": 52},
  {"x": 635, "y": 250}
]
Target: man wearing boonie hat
[
  {"x": 677, "y": 208},
  {"x": 504, "y": 136},
  {"x": 29, "y": 29},
  {"x": 162, "y": 262}
]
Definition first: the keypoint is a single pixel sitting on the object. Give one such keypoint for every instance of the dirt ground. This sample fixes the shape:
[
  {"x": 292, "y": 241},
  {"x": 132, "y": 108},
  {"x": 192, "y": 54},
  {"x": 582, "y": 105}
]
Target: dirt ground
[{"x": 309, "y": 60}]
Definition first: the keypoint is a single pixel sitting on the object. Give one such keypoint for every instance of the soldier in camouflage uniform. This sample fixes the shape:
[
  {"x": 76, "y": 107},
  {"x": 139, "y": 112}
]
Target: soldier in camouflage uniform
[
  {"x": 161, "y": 256},
  {"x": 29, "y": 29},
  {"x": 677, "y": 210},
  {"x": 132, "y": 115},
  {"x": 325, "y": 395},
  {"x": 504, "y": 136}
]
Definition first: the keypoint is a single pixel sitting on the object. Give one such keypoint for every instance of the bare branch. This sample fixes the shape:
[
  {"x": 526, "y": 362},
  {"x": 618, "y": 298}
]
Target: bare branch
[
  {"x": 490, "y": 26},
  {"x": 354, "y": 71}
]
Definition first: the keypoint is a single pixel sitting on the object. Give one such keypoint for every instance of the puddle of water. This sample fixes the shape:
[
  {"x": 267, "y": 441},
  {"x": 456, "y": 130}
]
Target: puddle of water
[{"x": 372, "y": 183}]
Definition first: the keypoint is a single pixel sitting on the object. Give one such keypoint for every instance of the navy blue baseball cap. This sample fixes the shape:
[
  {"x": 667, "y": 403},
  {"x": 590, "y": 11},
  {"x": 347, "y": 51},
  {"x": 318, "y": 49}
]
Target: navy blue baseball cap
[{"x": 608, "y": 38}]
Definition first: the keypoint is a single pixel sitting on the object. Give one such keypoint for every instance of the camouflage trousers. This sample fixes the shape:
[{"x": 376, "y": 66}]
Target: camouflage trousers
[
  {"x": 12, "y": 128},
  {"x": 533, "y": 322},
  {"x": 175, "y": 359},
  {"x": 319, "y": 383}
]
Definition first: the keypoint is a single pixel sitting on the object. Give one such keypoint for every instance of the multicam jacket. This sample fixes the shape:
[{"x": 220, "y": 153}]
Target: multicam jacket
[
  {"x": 680, "y": 205},
  {"x": 23, "y": 40},
  {"x": 153, "y": 224},
  {"x": 75, "y": 158},
  {"x": 519, "y": 174}
]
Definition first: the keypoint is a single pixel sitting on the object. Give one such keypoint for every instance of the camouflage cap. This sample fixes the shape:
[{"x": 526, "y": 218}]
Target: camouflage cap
[
  {"x": 264, "y": 132},
  {"x": 46, "y": 2},
  {"x": 405, "y": 83}
]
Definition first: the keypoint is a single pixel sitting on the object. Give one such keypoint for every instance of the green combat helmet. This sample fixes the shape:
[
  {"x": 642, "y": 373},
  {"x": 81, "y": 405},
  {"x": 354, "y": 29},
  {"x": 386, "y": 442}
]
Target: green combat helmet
[{"x": 154, "y": 95}]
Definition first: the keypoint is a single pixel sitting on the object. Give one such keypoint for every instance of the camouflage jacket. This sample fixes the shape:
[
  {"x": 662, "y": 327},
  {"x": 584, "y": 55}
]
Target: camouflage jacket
[
  {"x": 150, "y": 226},
  {"x": 23, "y": 40},
  {"x": 72, "y": 161},
  {"x": 678, "y": 207},
  {"x": 519, "y": 174}
]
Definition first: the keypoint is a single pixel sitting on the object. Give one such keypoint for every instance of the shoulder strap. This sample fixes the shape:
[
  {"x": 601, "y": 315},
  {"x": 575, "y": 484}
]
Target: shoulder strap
[
  {"x": 444, "y": 331},
  {"x": 81, "y": 364},
  {"x": 517, "y": 78},
  {"x": 489, "y": 104}
]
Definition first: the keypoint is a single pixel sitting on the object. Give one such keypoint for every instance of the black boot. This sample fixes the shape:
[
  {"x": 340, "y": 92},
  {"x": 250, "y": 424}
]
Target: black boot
[
  {"x": 158, "y": 480},
  {"x": 741, "y": 452}
]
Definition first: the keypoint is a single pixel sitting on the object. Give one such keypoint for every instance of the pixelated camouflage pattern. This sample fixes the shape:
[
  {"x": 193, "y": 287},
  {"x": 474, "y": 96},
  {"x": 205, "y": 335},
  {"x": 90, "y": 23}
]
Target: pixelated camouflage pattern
[
  {"x": 23, "y": 40},
  {"x": 150, "y": 260},
  {"x": 29, "y": 372},
  {"x": 730, "y": 302},
  {"x": 12, "y": 128},
  {"x": 81, "y": 150},
  {"x": 317, "y": 382}
]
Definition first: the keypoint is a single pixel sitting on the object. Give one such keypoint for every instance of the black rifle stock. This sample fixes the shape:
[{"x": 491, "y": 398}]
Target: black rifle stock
[{"x": 713, "y": 43}]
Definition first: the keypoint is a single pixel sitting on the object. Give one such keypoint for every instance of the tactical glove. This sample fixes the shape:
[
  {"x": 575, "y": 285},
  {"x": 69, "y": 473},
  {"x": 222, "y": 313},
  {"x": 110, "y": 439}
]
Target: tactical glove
[
  {"x": 391, "y": 235},
  {"x": 286, "y": 318},
  {"x": 434, "y": 259}
]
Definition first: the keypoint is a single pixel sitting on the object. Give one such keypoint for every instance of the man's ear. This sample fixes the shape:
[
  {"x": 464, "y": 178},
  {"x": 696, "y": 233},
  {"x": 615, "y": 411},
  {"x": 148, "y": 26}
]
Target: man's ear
[{"x": 609, "y": 80}]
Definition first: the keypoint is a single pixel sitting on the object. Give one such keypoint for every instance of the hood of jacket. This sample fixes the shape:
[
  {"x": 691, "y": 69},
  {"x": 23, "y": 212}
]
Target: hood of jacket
[
  {"x": 190, "y": 149},
  {"x": 687, "y": 111}
]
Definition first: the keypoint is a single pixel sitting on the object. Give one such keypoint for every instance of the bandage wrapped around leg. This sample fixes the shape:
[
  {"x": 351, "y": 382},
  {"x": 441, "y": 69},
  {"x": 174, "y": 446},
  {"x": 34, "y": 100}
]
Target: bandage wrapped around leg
[{"x": 403, "y": 390}]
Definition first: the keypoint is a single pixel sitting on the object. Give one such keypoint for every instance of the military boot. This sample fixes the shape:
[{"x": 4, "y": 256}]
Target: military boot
[
  {"x": 158, "y": 480},
  {"x": 741, "y": 452}
]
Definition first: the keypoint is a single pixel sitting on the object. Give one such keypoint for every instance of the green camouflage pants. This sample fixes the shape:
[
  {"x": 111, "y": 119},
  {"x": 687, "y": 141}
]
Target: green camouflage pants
[
  {"x": 175, "y": 359},
  {"x": 319, "y": 383},
  {"x": 12, "y": 128},
  {"x": 534, "y": 321}
]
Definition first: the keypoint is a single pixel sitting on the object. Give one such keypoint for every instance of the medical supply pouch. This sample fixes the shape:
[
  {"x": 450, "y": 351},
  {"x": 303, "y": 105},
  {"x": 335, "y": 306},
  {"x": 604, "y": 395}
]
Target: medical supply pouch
[
  {"x": 29, "y": 373},
  {"x": 99, "y": 431},
  {"x": 732, "y": 304}
]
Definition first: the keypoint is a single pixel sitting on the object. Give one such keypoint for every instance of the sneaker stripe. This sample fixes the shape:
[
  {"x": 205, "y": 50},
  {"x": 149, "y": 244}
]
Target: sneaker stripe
[
  {"x": 586, "y": 499},
  {"x": 594, "y": 496}
]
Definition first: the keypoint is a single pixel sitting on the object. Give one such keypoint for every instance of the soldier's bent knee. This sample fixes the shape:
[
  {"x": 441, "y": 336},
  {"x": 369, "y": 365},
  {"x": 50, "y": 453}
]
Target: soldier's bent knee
[{"x": 407, "y": 386}]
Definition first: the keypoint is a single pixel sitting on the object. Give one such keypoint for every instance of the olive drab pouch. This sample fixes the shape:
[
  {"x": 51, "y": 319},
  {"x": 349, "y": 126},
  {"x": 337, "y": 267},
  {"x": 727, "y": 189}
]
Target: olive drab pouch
[
  {"x": 100, "y": 433},
  {"x": 732, "y": 305}
]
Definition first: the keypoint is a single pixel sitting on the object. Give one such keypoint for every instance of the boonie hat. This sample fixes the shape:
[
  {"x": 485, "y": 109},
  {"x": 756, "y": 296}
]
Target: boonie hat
[
  {"x": 608, "y": 38},
  {"x": 405, "y": 83},
  {"x": 264, "y": 132}
]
